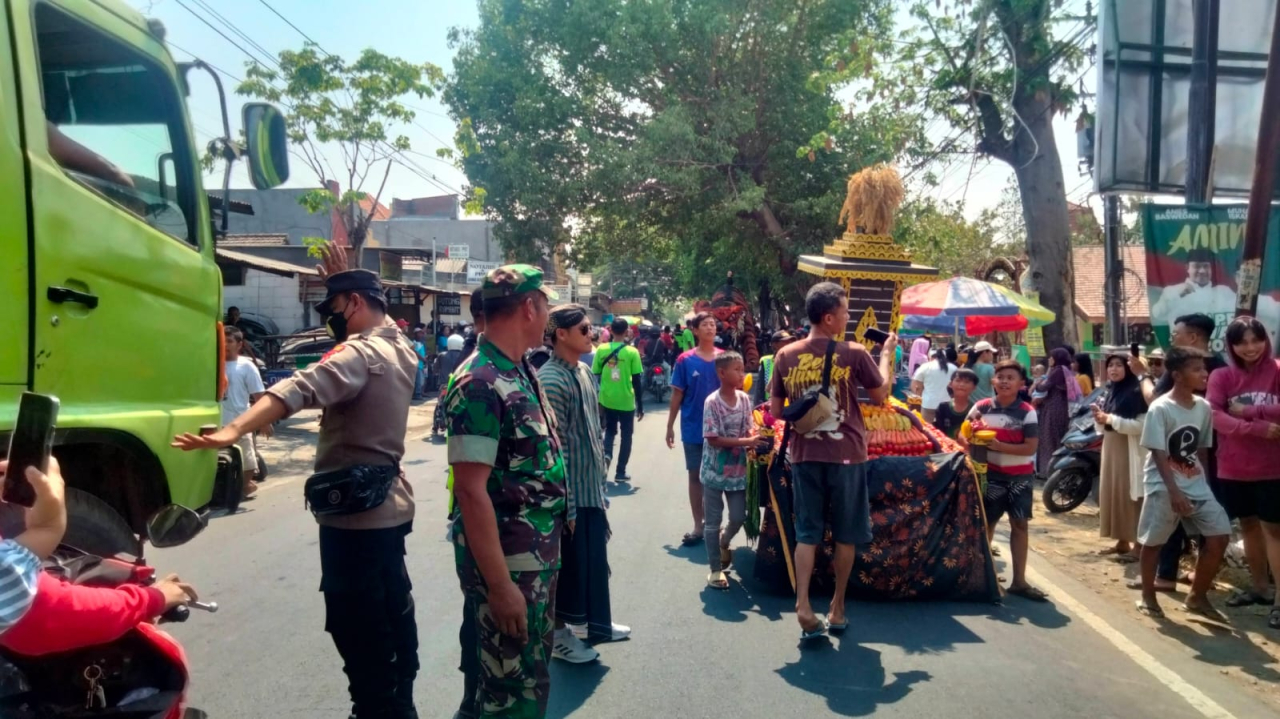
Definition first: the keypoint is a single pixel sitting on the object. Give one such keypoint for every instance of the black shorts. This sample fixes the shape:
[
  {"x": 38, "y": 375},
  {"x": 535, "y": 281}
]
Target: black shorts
[
  {"x": 1007, "y": 494},
  {"x": 825, "y": 490},
  {"x": 1251, "y": 498}
]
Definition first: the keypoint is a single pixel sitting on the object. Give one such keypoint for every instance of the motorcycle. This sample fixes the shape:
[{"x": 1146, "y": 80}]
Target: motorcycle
[
  {"x": 657, "y": 381},
  {"x": 1075, "y": 466},
  {"x": 141, "y": 675}
]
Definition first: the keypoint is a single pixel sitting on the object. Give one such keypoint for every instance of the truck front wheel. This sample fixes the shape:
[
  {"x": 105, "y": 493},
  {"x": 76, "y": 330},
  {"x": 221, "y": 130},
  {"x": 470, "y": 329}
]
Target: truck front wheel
[{"x": 94, "y": 527}]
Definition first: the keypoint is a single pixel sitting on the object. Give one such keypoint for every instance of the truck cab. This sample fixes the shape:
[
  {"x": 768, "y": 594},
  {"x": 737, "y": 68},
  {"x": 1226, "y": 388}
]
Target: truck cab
[{"x": 109, "y": 293}]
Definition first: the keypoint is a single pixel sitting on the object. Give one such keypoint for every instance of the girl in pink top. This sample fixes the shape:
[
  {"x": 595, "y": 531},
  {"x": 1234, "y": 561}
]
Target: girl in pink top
[{"x": 1245, "y": 397}]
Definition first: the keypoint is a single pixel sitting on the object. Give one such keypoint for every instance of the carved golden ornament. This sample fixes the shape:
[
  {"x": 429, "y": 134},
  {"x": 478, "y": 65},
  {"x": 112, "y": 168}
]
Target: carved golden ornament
[{"x": 889, "y": 275}]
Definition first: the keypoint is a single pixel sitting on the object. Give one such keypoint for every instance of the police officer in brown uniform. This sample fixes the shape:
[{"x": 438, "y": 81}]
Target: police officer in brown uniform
[{"x": 359, "y": 495}]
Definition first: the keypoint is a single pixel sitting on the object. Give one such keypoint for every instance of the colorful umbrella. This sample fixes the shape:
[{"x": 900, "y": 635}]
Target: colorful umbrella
[
  {"x": 965, "y": 297},
  {"x": 974, "y": 326}
]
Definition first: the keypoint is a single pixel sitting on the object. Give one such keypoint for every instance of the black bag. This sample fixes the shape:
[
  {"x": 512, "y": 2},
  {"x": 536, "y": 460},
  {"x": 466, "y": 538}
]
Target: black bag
[
  {"x": 816, "y": 406},
  {"x": 349, "y": 491}
]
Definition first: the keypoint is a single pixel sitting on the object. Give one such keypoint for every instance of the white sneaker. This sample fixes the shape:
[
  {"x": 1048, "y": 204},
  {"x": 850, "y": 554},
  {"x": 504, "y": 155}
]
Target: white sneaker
[
  {"x": 619, "y": 632},
  {"x": 569, "y": 648}
]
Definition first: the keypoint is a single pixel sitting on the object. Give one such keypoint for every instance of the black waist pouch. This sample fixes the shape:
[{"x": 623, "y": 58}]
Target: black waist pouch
[{"x": 350, "y": 490}]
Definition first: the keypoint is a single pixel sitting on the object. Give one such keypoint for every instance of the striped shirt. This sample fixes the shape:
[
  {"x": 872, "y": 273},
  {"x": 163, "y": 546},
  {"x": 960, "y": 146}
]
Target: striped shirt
[
  {"x": 571, "y": 394},
  {"x": 19, "y": 570},
  {"x": 1013, "y": 424}
]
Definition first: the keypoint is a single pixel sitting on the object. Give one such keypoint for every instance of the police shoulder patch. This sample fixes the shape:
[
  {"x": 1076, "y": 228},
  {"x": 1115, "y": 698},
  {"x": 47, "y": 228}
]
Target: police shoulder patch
[{"x": 336, "y": 349}]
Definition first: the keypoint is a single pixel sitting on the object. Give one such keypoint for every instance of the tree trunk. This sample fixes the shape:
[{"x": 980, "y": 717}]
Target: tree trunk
[{"x": 1044, "y": 210}]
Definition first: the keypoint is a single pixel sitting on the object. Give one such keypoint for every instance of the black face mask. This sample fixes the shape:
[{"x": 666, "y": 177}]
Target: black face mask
[{"x": 336, "y": 326}]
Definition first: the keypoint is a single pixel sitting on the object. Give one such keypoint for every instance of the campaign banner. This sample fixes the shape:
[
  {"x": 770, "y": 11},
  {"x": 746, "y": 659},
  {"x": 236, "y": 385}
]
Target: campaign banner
[{"x": 1193, "y": 254}]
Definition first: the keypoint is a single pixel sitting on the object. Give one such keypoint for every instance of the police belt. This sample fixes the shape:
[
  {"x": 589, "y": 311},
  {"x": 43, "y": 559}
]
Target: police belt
[{"x": 350, "y": 490}]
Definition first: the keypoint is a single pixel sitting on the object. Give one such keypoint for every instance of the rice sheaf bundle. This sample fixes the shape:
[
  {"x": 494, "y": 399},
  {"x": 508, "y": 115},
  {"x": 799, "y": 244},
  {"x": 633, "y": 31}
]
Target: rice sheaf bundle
[{"x": 873, "y": 197}]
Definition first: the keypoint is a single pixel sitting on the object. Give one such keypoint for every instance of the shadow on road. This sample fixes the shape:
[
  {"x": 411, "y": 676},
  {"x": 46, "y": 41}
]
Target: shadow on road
[
  {"x": 572, "y": 685},
  {"x": 851, "y": 677},
  {"x": 1212, "y": 648},
  {"x": 620, "y": 489}
]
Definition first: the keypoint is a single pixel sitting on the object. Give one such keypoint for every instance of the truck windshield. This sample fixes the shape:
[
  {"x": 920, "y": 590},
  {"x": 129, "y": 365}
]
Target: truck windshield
[{"x": 114, "y": 121}]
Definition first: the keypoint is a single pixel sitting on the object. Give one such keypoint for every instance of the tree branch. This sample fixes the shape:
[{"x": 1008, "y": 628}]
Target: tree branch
[{"x": 992, "y": 140}]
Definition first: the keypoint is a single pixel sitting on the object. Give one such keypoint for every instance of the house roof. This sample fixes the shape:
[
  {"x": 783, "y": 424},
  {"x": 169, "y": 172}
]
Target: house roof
[
  {"x": 451, "y": 265},
  {"x": 275, "y": 267},
  {"x": 1090, "y": 281},
  {"x": 254, "y": 240},
  {"x": 379, "y": 213}
]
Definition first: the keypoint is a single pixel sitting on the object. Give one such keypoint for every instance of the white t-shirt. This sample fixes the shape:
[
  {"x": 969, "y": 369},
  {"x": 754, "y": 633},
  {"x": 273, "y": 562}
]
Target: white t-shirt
[
  {"x": 935, "y": 381},
  {"x": 243, "y": 381},
  {"x": 1179, "y": 431}
]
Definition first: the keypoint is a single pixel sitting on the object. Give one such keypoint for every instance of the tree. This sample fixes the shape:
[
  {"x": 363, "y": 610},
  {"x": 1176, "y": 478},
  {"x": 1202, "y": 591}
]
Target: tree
[
  {"x": 939, "y": 236},
  {"x": 599, "y": 127},
  {"x": 351, "y": 106},
  {"x": 998, "y": 71}
]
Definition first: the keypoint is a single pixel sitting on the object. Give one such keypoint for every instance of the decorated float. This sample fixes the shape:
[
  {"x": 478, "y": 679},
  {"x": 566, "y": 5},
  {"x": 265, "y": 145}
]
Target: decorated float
[{"x": 929, "y": 533}]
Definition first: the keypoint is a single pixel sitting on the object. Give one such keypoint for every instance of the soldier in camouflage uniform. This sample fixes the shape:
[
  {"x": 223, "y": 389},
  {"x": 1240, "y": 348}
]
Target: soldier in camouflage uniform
[{"x": 509, "y": 485}]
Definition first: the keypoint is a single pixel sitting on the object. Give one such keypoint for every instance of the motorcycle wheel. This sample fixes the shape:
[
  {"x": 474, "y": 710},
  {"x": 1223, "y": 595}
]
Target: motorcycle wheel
[
  {"x": 94, "y": 527},
  {"x": 262, "y": 469},
  {"x": 1066, "y": 490}
]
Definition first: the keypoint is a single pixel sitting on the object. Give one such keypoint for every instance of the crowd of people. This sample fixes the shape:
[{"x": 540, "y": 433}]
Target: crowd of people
[
  {"x": 530, "y": 451},
  {"x": 1189, "y": 444}
]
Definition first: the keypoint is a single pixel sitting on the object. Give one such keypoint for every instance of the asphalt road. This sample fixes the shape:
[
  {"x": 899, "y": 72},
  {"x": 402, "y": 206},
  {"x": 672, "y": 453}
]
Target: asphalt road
[{"x": 695, "y": 652}]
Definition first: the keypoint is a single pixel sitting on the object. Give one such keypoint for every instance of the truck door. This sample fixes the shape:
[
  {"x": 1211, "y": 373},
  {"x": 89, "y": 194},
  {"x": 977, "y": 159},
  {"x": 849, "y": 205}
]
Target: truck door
[
  {"x": 125, "y": 298},
  {"x": 14, "y": 270}
]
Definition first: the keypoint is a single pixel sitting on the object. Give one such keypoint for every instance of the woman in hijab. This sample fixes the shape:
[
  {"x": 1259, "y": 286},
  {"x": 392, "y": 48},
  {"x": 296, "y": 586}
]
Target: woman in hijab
[
  {"x": 919, "y": 355},
  {"x": 1120, "y": 419},
  {"x": 1060, "y": 389}
]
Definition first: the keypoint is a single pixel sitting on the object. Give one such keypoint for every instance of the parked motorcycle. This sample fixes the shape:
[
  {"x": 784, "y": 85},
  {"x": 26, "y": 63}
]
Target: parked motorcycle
[
  {"x": 1075, "y": 466},
  {"x": 657, "y": 381},
  {"x": 141, "y": 675}
]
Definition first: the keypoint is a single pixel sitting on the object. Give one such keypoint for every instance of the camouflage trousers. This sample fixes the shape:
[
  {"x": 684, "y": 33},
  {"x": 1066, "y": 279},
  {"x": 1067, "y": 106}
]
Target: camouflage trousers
[{"x": 515, "y": 678}]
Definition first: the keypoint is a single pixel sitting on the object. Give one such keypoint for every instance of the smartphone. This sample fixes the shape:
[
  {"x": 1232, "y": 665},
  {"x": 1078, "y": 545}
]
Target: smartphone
[
  {"x": 875, "y": 334},
  {"x": 1135, "y": 350},
  {"x": 29, "y": 446}
]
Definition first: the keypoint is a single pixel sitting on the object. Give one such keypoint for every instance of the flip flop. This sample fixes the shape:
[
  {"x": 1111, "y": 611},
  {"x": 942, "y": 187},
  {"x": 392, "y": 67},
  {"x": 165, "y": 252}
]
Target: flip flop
[
  {"x": 1247, "y": 599},
  {"x": 807, "y": 634},
  {"x": 1124, "y": 559},
  {"x": 837, "y": 627},
  {"x": 717, "y": 580},
  {"x": 1108, "y": 551},
  {"x": 1208, "y": 612},
  {"x": 690, "y": 539},
  {"x": 1149, "y": 611}
]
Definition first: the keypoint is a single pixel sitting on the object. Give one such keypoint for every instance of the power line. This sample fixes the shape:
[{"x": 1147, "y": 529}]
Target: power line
[
  {"x": 239, "y": 33},
  {"x": 213, "y": 27},
  {"x": 295, "y": 27}
]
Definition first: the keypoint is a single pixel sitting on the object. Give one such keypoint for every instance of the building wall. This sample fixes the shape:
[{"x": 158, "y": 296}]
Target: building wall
[
  {"x": 418, "y": 232},
  {"x": 277, "y": 211},
  {"x": 266, "y": 294}
]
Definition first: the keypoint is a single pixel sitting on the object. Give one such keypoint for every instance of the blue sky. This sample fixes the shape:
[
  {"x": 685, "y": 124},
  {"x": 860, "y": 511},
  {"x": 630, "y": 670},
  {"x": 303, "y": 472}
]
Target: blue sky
[{"x": 418, "y": 31}]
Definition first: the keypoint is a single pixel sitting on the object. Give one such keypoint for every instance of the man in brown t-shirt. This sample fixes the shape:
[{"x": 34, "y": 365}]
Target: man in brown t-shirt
[{"x": 829, "y": 464}]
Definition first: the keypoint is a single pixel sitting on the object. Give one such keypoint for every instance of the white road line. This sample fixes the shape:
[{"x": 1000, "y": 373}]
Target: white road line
[{"x": 1166, "y": 676}]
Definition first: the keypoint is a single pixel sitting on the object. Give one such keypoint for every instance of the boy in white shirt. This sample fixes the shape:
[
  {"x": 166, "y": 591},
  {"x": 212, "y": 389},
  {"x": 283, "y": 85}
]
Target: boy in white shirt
[{"x": 244, "y": 387}]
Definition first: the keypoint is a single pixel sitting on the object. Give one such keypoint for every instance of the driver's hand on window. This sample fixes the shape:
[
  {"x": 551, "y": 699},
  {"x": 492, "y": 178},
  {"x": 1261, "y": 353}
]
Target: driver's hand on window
[{"x": 74, "y": 156}]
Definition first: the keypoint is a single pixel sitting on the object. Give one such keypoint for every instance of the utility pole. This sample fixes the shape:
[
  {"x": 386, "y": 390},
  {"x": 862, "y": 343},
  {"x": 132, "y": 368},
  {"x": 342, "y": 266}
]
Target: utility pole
[
  {"x": 1114, "y": 263},
  {"x": 1262, "y": 189},
  {"x": 1201, "y": 119}
]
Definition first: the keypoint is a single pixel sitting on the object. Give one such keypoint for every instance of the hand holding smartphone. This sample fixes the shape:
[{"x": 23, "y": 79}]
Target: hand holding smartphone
[
  {"x": 876, "y": 335},
  {"x": 29, "y": 446}
]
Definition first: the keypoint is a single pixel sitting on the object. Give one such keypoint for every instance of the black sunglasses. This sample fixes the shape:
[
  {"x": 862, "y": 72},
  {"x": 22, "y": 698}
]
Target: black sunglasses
[{"x": 585, "y": 329}]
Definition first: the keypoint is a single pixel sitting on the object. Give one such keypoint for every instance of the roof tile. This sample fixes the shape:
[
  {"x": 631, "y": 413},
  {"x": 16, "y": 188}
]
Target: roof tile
[{"x": 1090, "y": 280}]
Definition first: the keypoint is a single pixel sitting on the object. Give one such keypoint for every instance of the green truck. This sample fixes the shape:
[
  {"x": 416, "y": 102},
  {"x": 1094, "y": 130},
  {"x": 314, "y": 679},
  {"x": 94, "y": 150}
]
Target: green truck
[{"x": 110, "y": 297}]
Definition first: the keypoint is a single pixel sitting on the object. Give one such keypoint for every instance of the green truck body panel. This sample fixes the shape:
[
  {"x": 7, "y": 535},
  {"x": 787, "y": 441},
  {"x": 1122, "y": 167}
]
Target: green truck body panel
[{"x": 143, "y": 363}]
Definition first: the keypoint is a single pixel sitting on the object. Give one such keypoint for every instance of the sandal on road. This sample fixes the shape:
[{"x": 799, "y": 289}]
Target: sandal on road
[
  {"x": 1150, "y": 610},
  {"x": 818, "y": 630},
  {"x": 1125, "y": 558},
  {"x": 1247, "y": 598},
  {"x": 1206, "y": 611},
  {"x": 717, "y": 580},
  {"x": 690, "y": 539},
  {"x": 1162, "y": 585},
  {"x": 1028, "y": 592}
]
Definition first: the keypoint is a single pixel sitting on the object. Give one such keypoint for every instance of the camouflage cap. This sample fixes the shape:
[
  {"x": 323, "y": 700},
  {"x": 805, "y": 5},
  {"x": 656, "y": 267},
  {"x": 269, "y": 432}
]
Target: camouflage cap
[{"x": 511, "y": 280}]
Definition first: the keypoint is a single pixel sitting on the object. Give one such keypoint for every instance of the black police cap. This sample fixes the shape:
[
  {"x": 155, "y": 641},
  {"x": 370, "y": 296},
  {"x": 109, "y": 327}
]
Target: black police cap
[{"x": 341, "y": 283}]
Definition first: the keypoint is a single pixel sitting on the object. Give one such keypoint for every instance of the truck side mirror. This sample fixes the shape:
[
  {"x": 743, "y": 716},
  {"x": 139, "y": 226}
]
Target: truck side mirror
[{"x": 266, "y": 141}]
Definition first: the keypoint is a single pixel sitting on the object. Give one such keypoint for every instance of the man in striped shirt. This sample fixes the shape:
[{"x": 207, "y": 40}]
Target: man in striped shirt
[
  {"x": 582, "y": 591},
  {"x": 20, "y": 557}
]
